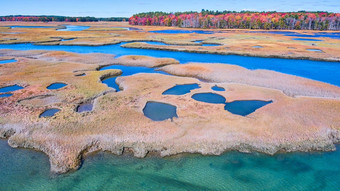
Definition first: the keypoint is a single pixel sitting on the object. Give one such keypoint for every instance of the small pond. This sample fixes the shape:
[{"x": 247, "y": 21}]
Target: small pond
[
  {"x": 158, "y": 111},
  {"x": 69, "y": 39},
  {"x": 85, "y": 107},
  {"x": 217, "y": 88},
  {"x": 314, "y": 50},
  {"x": 5, "y": 95},
  {"x": 10, "y": 88},
  {"x": 127, "y": 71},
  {"x": 7, "y": 61},
  {"x": 49, "y": 112},
  {"x": 306, "y": 39},
  {"x": 245, "y": 107},
  {"x": 209, "y": 98},
  {"x": 257, "y": 46},
  {"x": 56, "y": 86},
  {"x": 181, "y": 89},
  {"x": 73, "y": 28},
  {"x": 207, "y": 44}
]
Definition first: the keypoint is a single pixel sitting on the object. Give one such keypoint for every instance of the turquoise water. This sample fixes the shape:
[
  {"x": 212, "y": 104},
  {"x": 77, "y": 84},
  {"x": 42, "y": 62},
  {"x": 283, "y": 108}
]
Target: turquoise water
[
  {"x": 217, "y": 88},
  {"x": 257, "y": 46},
  {"x": 56, "y": 86},
  {"x": 317, "y": 70},
  {"x": 10, "y": 88},
  {"x": 181, "y": 89},
  {"x": 232, "y": 171},
  {"x": 7, "y": 61},
  {"x": 245, "y": 107},
  {"x": 158, "y": 111},
  {"x": 49, "y": 112},
  {"x": 29, "y": 170}
]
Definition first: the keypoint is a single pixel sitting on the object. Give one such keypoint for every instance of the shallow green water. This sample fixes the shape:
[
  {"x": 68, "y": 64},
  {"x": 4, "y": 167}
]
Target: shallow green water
[{"x": 29, "y": 170}]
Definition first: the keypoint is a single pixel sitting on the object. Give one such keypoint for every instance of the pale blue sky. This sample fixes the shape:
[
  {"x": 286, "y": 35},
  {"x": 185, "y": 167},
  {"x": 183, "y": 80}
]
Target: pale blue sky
[{"x": 126, "y": 8}]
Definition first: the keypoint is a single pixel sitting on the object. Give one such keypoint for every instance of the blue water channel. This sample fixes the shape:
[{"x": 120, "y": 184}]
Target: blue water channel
[{"x": 317, "y": 70}]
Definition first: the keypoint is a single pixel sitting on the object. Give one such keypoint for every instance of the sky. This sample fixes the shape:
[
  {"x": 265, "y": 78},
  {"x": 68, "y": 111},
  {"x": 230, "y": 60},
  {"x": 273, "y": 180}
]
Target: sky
[{"x": 126, "y": 8}]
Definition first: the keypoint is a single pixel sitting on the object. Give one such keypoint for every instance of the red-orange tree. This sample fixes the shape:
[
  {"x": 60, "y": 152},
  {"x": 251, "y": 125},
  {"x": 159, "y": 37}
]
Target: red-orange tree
[{"x": 263, "y": 20}]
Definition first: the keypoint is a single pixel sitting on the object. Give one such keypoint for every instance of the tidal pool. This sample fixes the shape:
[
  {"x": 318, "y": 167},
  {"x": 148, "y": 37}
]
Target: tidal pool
[
  {"x": 217, "y": 88},
  {"x": 127, "y": 71},
  {"x": 5, "y": 95},
  {"x": 49, "y": 112},
  {"x": 73, "y": 28},
  {"x": 316, "y": 70},
  {"x": 56, "y": 86},
  {"x": 206, "y": 44},
  {"x": 306, "y": 39},
  {"x": 69, "y": 39},
  {"x": 10, "y": 88},
  {"x": 245, "y": 107},
  {"x": 23, "y": 169},
  {"x": 209, "y": 98},
  {"x": 7, "y": 61},
  {"x": 315, "y": 50},
  {"x": 181, "y": 89},
  {"x": 85, "y": 107},
  {"x": 158, "y": 111}
]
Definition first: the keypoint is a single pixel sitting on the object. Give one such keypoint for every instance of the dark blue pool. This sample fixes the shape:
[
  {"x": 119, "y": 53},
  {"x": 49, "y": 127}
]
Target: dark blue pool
[
  {"x": 127, "y": 71},
  {"x": 10, "y": 88},
  {"x": 181, "y": 89},
  {"x": 209, "y": 98},
  {"x": 306, "y": 39},
  {"x": 56, "y": 86},
  {"x": 158, "y": 111},
  {"x": 217, "y": 88},
  {"x": 49, "y": 112},
  {"x": 85, "y": 107},
  {"x": 245, "y": 107}
]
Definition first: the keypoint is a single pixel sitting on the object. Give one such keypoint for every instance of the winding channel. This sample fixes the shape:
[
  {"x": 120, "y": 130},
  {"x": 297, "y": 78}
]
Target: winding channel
[
  {"x": 317, "y": 70},
  {"x": 21, "y": 168}
]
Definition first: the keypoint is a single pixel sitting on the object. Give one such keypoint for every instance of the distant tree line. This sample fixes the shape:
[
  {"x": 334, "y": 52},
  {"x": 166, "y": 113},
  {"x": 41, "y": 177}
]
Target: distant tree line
[
  {"x": 58, "y": 18},
  {"x": 301, "y": 20}
]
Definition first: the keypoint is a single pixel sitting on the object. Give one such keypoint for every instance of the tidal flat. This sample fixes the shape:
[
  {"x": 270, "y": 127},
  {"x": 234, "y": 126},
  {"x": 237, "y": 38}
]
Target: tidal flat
[{"x": 297, "y": 104}]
